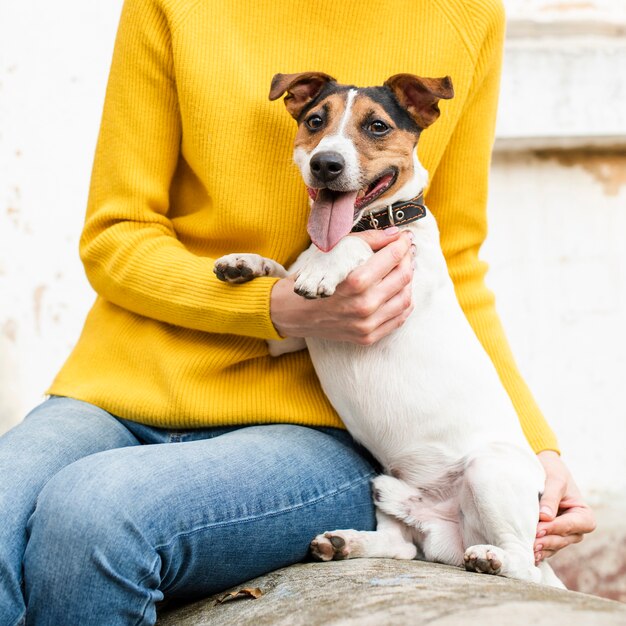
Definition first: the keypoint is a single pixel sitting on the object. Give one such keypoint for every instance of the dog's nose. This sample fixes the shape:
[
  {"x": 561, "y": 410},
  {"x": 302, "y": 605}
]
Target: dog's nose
[{"x": 326, "y": 166}]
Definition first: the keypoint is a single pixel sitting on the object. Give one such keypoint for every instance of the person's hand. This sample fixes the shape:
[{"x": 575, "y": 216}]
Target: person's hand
[
  {"x": 372, "y": 301},
  {"x": 563, "y": 515}
]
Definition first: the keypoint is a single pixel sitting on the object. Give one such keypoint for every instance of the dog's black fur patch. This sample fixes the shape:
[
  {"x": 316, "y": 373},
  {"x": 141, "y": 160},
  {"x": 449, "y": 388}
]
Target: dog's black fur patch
[
  {"x": 386, "y": 98},
  {"x": 381, "y": 95},
  {"x": 327, "y": 90}
]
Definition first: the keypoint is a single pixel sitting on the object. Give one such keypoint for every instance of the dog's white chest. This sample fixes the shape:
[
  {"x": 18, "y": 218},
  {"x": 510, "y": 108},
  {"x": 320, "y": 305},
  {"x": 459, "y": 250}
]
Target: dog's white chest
[{"x": 427, "y": 385}]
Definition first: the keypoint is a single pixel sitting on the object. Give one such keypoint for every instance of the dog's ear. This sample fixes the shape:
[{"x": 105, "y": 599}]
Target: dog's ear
[
  {"x": 419, "y": 96},
  {"x": 301, "y": 89}
]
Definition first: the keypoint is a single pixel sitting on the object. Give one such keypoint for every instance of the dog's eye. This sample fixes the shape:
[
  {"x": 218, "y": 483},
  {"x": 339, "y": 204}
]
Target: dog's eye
[
  {"x": 378, "y": 127},
  {"x": 314, "y": 122}
]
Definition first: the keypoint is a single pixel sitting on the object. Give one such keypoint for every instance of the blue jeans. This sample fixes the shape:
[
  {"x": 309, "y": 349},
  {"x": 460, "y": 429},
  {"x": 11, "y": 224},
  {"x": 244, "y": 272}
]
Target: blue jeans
[{"x": 96, "y": 528}]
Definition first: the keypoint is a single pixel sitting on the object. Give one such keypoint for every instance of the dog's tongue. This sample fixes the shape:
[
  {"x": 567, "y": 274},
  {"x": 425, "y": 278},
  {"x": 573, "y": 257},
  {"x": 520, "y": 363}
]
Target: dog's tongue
[{"x": 332, "y": 216}]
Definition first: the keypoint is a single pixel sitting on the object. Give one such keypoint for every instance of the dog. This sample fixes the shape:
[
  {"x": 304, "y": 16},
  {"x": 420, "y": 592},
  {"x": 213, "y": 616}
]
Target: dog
[{"x": 461, "y": 485}]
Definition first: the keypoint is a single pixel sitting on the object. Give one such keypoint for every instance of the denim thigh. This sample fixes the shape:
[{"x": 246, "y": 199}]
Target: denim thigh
[
  {"x": 54, "y": 435},
  {"x": 126, "y": 528}
]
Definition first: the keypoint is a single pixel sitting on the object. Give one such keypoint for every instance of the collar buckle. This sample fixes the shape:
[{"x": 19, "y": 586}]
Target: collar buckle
[
  {"x": 373, "y": 221},
  {"x": 398, "y": 213}
]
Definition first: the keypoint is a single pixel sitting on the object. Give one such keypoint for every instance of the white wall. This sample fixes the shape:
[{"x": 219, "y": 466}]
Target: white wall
[
  {"x": 558, "y": 268},
  {"x": 558, "y": 223},
  {"x": 54, "y": 60},
  {"x": 558, "y": 220}
]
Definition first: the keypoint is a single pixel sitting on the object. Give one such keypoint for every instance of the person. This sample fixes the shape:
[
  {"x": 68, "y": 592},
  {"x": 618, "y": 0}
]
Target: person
[{"x": 175, "y": 457}]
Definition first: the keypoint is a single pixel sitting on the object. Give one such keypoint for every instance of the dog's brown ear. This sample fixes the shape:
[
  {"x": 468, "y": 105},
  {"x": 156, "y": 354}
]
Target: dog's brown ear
[
  {"x": 301, "y": 89},
  {"x": 419, "y": 96}
]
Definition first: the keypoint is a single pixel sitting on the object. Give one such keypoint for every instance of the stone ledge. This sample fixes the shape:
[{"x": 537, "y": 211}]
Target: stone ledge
[{"x": 383, "y": 592}]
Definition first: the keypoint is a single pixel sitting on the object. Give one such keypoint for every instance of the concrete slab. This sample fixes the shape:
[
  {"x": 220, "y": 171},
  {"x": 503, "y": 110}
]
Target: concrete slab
[{"x": 383, "y": 592}]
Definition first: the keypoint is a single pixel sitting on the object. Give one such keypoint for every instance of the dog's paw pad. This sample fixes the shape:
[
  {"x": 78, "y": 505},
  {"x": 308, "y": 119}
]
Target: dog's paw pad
[
  {"x": 330, "y": 546},
  {"x": 483, "y": 559},
  {"x": 240, "y": 268}
]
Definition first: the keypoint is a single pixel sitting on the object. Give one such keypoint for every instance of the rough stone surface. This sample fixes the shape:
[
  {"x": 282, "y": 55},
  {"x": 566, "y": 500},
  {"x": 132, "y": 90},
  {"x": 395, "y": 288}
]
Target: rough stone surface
[{"x": 381, "y": 592}]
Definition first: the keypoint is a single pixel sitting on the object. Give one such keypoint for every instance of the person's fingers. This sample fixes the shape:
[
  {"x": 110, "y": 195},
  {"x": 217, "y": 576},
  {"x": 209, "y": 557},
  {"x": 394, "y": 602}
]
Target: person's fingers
[
  {"x": 377, "y": 239},
  {"x": 369, "y": 303},
  {"x": 398, "y": 307},
  {"x": 569, "y": 527},
  {"x": 540, "y": 556},
  {"x": 384, "y": 329},
  {"x": 575, "y": 520},
  {"x": 553, "y": 544},
  {"x": 371, "y": 314},
  {"x": 376, "y": 267},
  {"x": 556, "y": 543}
]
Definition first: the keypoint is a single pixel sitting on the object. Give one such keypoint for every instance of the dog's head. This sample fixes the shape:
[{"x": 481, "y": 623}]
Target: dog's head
[{"x": 355, "y": 147}]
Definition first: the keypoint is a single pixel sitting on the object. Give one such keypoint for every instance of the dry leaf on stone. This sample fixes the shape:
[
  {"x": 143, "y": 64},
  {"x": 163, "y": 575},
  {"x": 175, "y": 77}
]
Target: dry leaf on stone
[{"x": 246, "y": 592}]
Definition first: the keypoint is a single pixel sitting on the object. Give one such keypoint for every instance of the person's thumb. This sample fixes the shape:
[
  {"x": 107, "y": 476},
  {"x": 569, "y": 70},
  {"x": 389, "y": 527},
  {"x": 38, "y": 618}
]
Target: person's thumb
[
  {"x": 550, "y": 499},
  {"x": 377, "y": 239}
]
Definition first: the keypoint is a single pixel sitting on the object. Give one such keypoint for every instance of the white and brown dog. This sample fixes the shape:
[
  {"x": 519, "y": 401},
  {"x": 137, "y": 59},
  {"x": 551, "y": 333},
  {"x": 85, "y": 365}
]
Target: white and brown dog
[{"x": 461, "y": 483}]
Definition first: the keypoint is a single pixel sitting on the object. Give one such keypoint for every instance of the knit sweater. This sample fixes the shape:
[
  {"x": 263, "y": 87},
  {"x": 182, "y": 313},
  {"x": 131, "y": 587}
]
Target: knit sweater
[{"x": 193, "y": 162}]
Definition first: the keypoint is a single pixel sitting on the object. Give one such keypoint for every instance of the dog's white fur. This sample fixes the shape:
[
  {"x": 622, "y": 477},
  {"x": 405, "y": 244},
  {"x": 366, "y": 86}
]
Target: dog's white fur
[{"x": 462, "y": 483}]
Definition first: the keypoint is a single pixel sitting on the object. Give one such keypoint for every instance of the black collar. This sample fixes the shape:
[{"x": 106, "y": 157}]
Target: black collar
[{"x": 396, "y": 214}]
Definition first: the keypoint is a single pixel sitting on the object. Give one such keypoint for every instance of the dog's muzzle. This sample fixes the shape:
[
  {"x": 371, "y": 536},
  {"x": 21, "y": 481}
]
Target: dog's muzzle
[{"x": 327, "y": 166}]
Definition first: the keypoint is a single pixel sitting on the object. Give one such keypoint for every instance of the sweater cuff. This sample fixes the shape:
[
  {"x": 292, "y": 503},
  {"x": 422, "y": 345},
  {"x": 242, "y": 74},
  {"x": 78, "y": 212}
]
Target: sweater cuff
[{"x": 248, "y": 313}]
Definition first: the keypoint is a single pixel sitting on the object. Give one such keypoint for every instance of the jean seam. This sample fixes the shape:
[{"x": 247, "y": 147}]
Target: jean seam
[
  {"x": 245, "y": 520},
  {"x": 21, "y": 620},
  {"x": 148, "y": 599}
]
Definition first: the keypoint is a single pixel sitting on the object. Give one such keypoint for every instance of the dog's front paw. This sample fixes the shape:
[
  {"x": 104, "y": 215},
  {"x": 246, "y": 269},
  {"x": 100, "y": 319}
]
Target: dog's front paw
[
  {"x": 323, "y": 271},
  {"x": 484, "y": 559},
  {"x": 334, "y": 546},
  {"x": 317, "y": 281},
  {"x": 240, "y": 268}
]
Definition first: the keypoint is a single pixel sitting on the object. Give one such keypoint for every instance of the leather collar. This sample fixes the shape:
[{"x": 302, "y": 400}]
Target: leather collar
[{"x": 396, "y": 214}]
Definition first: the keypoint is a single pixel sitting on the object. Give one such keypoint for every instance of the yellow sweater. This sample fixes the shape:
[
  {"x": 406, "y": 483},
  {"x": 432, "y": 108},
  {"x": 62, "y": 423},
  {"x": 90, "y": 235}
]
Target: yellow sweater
[{"x": 194, "y": 161}]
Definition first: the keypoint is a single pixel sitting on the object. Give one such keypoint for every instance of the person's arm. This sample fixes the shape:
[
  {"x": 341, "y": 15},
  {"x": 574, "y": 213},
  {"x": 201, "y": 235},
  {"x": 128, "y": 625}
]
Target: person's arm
[{"x": 129, "y": 247}]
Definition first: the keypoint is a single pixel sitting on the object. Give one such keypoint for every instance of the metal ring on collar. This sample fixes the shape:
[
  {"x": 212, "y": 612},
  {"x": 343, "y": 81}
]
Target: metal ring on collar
[{"x": 392, "y": 222}]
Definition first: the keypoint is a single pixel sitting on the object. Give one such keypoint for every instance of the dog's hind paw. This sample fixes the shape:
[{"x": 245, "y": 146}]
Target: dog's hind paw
[
  {"x": 331, "y": 546},
  {"x": 240, "y": 268},
  {"x": 484, "y": 559}
]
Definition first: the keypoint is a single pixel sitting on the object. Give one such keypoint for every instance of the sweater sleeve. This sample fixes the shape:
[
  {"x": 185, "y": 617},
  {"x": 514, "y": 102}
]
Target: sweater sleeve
[
  {"x": 458, "y": 198},
  {"x": 129, "y": 247}
]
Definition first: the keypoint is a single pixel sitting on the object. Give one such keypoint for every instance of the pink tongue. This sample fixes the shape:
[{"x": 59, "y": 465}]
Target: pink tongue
[{"x": 332, "y": 216}]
